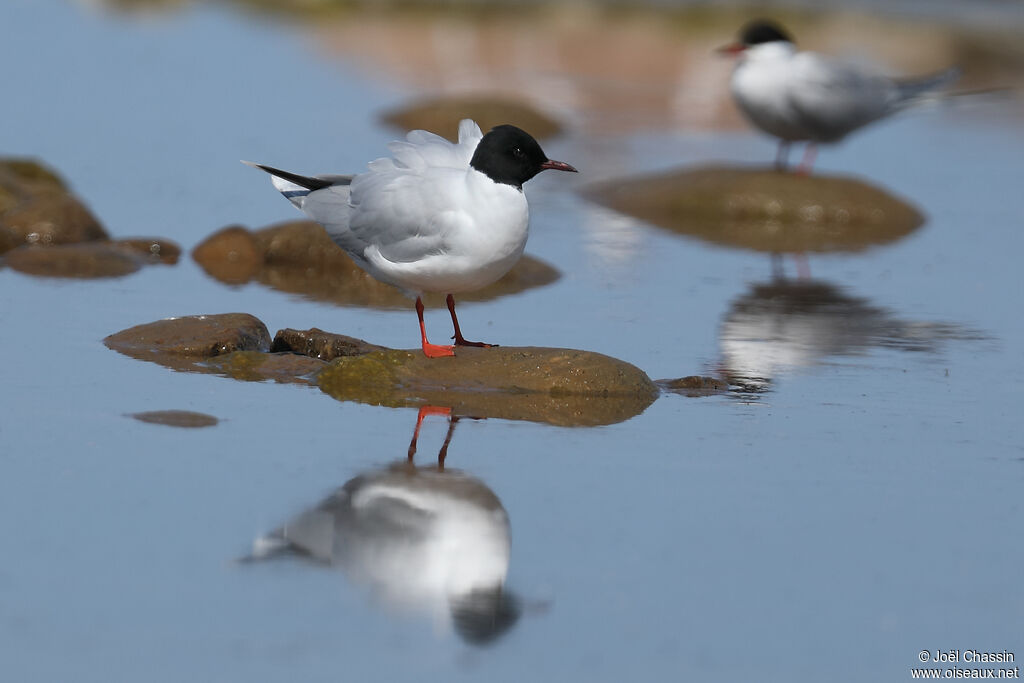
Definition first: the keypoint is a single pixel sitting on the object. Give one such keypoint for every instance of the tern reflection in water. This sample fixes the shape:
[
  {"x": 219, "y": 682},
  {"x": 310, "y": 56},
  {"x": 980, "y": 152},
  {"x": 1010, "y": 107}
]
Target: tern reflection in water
[
  {"x": 423, "y": 539},
  {"x": 783, "y": 325}
]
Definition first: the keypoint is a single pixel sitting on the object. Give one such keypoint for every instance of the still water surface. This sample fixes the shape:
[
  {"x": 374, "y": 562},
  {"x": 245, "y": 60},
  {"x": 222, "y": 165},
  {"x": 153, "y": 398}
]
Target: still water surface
[{"x": 862, "y": 505}]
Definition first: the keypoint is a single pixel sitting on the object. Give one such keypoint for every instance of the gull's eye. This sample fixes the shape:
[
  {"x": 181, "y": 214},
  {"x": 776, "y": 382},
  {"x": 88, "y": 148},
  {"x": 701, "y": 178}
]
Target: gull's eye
[{"x": 517, "y": 152}]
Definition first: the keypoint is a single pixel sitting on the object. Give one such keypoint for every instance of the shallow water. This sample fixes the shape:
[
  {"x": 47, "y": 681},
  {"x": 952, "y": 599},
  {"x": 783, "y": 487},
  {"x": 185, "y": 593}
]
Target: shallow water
[{"x": 857, "y": 503}]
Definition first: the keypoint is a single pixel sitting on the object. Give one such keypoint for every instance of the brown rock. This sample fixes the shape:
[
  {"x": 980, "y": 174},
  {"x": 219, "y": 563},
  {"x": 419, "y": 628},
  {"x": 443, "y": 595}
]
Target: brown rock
[
  {"x": 90, "y": 260},
  {"x": 176, "y": 418},
  {"x": 8, "y": 240},
  {"x": 231, "y": 255},
  {"x": 52, "y": 217},
  {"x": 178, "y": 342},
  {"x": 155, "y": 250},
  {"x": 299, "y": 258},
  {"x": 556, "y": 386},
  {"x": 442, "y": 115},
  {"x": 764, "y": 210},
  {"x": 28, "y": 172},
  {"x": 36, "y": 206},
  {"x": 319, "y": 344}
]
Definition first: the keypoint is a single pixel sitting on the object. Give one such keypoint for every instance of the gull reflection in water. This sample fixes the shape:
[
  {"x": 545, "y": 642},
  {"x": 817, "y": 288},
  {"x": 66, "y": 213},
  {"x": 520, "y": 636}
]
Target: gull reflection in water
[
  {"x": 424, "y": 539},
  {"x": 783, "y": 325}
]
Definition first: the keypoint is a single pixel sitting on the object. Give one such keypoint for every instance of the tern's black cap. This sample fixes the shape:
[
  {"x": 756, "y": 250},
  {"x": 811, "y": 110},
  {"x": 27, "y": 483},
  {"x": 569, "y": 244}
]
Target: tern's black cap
[{"x": 763, "y": 31}]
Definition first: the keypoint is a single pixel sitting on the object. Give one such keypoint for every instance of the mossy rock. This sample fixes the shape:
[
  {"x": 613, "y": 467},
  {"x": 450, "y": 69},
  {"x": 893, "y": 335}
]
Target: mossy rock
[
  {"x": 256, "y": 366},
  {"x": 441, "y": 115},
  {"x": 556, "y": 386},
  {"x": 764, "y": 210}
]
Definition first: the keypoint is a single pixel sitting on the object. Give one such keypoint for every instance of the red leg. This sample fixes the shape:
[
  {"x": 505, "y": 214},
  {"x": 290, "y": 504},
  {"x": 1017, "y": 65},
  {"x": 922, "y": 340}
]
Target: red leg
[
  {"x": 430, "y": 350},
  {"x": 424, "y": 411},
  {"x": 443, "y": 453},
  {"x": 459, "y": 339},
  {"x": 809, "y": 156}
]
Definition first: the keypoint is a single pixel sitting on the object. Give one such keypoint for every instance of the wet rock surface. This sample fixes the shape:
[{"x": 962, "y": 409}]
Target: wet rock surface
[
  {"x": 442, "y": 115},
  {"x": 176, "y": 418},
  {"x": 192, "y": 337},
  {"x": 36, "y": 206},
  {"x": 557, "y": 386},
  {"x": 763, "y": 209},
  {"x": 299, "y": 258},
  {"x": 319, "y": 344},
  {"x": 257, "y": 366}
]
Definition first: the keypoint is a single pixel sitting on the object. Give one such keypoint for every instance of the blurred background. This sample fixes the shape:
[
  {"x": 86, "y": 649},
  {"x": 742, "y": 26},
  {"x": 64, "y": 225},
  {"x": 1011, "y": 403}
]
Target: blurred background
[{"x": 846, "y": 498}]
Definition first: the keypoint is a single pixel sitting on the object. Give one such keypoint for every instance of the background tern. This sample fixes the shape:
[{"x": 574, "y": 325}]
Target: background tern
[{"x": 800, "y": 96}]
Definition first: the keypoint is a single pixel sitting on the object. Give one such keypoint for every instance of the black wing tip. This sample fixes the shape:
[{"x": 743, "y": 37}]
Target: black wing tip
[{"x": 307, "y": 182}]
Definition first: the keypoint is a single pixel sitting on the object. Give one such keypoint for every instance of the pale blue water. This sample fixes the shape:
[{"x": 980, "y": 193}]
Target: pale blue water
[{"x": 866, "y": 507}]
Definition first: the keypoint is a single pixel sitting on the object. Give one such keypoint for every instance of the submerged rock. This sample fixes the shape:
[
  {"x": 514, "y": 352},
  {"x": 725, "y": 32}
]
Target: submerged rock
[
  {"x": 298, "y": 257},
  {"x": 176, "y": 418},
  {"x": 36, "y": 206},
  {"x": 441, "y": 115},
  {"x": 763, "y": 209},
  {"x": 557, "y": 386},
  {"x": 695, "y": 385},
  {"x": 152, "y": 249}
]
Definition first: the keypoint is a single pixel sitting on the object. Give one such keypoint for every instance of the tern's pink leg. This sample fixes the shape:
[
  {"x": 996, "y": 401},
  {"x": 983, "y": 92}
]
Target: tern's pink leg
[
  {"x": 782, "y": 156},
  {"x": 459, "y": 339},
  {"x": 803, "y": 265},
  {"x": 430, "y": 350},
  {"x": 809, "y": 156}
]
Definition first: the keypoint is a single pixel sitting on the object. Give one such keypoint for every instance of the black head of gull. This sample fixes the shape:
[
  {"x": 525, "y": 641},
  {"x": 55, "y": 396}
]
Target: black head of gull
[
  {"x": 511, "y": 156},
  {"x": 763, "y": 31}
]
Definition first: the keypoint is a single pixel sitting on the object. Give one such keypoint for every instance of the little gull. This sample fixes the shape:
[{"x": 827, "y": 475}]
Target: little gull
[{"x": 436, "y": 217}]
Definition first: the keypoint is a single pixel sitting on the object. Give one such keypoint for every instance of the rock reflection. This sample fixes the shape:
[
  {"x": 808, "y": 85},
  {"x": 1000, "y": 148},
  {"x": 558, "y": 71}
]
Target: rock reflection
[
  {"x": 423, "y": 539},
  {"x": 783, "y": 325}
]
